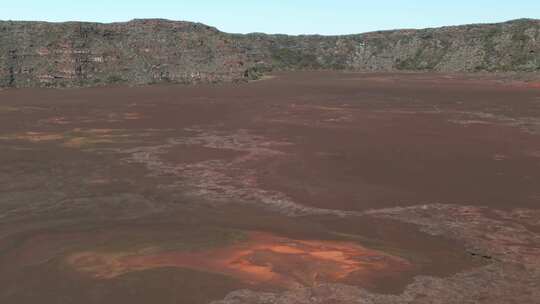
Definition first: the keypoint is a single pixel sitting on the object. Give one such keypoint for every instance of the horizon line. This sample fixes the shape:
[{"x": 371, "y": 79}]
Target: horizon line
[{"x": 266, "y": 33}]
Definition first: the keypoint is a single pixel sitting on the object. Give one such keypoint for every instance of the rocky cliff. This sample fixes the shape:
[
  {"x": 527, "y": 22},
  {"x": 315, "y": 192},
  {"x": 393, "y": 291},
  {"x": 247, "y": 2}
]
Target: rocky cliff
[{"x": 155, "y": 51}]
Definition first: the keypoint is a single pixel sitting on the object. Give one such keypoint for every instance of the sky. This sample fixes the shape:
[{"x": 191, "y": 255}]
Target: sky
[{"x": 328, "y": 17}]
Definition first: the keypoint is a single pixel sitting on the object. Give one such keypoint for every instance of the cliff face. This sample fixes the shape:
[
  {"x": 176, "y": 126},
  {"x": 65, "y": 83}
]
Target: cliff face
[
  {"x": 510, "y": 46},
  {"x": 154, "y": 51},
  {"x": 137, "y": 52}
]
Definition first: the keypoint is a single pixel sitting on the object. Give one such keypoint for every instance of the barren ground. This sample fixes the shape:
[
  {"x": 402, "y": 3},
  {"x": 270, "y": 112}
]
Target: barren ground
[{"x": 314, "y": 187}]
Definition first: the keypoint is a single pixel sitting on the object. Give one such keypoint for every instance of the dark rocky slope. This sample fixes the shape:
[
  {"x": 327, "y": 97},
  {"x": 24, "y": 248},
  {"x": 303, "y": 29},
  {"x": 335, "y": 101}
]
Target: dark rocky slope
[{"x": 154, "y": 51}]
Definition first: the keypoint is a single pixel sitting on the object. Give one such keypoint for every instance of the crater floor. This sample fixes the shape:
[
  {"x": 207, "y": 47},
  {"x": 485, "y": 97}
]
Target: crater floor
[{"x": 307, "y": 187}]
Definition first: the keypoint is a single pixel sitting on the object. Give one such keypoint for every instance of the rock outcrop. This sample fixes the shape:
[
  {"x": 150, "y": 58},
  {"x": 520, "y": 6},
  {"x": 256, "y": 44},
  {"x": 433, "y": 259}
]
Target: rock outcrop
[{"x": 40, "y": 54}]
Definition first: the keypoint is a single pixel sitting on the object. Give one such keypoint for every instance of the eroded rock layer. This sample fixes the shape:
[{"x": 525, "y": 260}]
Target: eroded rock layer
[{"x": 73, "y": 54}]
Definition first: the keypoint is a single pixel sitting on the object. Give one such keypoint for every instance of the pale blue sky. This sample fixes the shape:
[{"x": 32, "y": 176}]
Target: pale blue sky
[{"x": 280, "y": 16}]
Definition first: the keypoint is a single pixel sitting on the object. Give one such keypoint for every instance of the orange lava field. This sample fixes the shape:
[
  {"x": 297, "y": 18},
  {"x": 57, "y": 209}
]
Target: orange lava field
[{"x": 262, "y": 258}]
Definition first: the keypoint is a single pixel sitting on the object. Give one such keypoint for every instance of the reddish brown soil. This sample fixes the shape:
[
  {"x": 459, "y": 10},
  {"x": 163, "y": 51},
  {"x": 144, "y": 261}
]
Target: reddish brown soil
[{"x": 304, "y": 158}]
